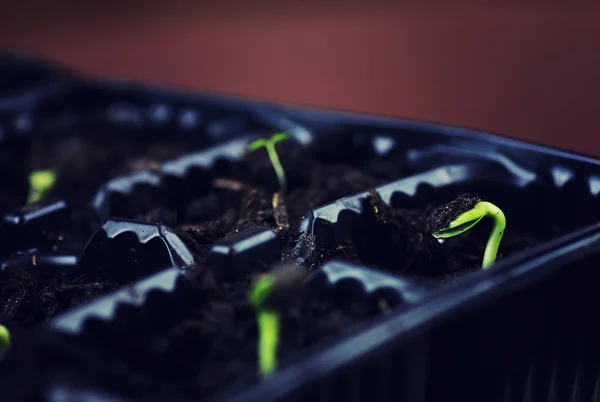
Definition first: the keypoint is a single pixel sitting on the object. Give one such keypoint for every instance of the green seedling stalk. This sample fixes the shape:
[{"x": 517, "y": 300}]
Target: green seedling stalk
[
  {"x": 40, "y": 182},
  {"x": 4, "y": 337},
  {"x": 470, "y": 218},
  {"x": 269, "y": 145},
  {"x": 268, "y": 325}
]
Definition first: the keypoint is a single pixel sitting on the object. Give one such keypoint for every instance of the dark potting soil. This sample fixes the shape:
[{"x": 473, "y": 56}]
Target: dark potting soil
[
  {"x": 396, "y": 240},
  {"x": 400, "y": 240},
  {"x": 224, "y": 324},
  {"x": 31, "y": 294},
  {"x": 443, "y": 215},
  {"x": 84, "y": 164},
  {"x": 243, "y": 195},
  {"x": 215, "y": 344}
]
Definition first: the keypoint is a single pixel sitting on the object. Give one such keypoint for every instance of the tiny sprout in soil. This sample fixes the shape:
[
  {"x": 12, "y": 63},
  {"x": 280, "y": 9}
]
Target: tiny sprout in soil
[
  {"x": 4, "y": 338},
  {"x": 460, "y": 215},
  {"x": 269, "y": 145},
  {"x": 40, "y": 182},
  {"x": 266, "y": 296}
]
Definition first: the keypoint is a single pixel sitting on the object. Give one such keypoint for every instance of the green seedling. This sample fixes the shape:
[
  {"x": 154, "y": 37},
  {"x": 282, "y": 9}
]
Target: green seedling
[
  {"x": 460, "y": 215},
  {"x": 269, "y": 145},
  {"x": 268, "y": 325},
  {"x": 4, "y": 337},
  {"x": 267, "y": 295},
  {"x": 40, "y": 182}
]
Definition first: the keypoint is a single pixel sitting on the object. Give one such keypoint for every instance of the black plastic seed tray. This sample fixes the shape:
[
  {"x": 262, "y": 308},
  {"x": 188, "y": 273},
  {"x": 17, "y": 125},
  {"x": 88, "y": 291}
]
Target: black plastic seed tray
[
  {"x": 521, "y": 331},
  {"x": 144, "y": 310}
]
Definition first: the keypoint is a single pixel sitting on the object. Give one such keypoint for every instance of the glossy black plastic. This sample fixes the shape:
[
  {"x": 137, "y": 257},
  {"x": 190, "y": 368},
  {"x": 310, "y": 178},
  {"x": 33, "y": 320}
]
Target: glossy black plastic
[
  {"x": 358, "y": 279},
  {"x": 152, "y": 304},
  {"x": 236, "y": 254},
  {"x": 180, "y": 178},
  {"x": 529, "y": 321},
  {"x": 132, "y": 249},
  {"x": 23, "y": 228},
  {"x": 333, "y": 223},
  {"x": 105, "y": 308},
  {"x": 61, "y": 263}
]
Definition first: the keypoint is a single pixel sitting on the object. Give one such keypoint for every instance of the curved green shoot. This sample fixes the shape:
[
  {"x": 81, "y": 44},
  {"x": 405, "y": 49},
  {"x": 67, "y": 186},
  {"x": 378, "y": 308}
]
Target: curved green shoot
[
  {"x": 4, "y": 337},
  {"x": 470, "y": 218},
  {"x": 269, "y": 145},
  {"x": 40, "y": 182},
  {"x": 268, "y": 325}
]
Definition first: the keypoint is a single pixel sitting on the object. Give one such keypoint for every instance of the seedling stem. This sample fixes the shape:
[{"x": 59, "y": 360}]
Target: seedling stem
[
  {"x": 4, "y": 337},
  {"x": 269, "y": 145},
  {"x": 268, "y": 325},
  {"x": 470, "y": 218}
]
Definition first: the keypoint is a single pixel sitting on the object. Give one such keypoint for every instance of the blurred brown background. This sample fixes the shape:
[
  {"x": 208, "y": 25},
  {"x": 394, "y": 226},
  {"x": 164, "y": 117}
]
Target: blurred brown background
[{"x": 528, "y": 69}]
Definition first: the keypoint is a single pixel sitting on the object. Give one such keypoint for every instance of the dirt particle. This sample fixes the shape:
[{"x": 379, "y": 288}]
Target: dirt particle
[{"x": 441, "y": 216}]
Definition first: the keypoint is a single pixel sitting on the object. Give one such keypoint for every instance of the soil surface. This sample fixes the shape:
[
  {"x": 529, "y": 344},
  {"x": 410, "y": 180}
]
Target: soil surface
[
  {"x": 400, "y": 240},
  {"x": 215, "y": 341},
  {"x": 31, "y": 292},
  {"x": 214, "y": 344},
  {"x": 246, "y": 194}
]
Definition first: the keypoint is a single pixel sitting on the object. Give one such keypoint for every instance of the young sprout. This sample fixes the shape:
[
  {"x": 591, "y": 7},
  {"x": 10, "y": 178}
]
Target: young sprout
[
  {"x": 460, "y": 215},
  {"x": 4, "y": 337},
  {"x": 269, "y": 145},
  {"x": 40, "y": 182},
  {"x": 267, "y": 295}
]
